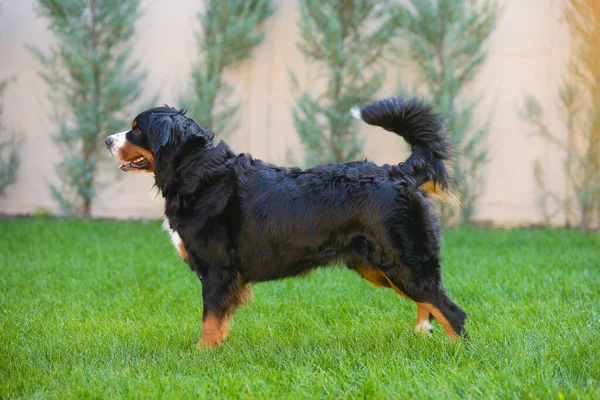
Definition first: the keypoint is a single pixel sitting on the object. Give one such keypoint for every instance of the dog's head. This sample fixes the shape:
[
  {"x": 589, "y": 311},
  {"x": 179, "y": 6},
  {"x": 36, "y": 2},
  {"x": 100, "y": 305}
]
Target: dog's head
[{"x": 156, "y": 136}]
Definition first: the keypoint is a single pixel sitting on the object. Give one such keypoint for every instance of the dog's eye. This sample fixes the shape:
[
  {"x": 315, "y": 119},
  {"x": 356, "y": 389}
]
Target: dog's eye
[{"x": 134, "y": 128}]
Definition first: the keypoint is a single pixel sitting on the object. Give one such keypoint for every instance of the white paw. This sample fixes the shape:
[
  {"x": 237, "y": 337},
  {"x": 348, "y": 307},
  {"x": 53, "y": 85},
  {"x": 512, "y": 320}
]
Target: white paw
[
  {"x": 355, "y": 112},
  {"x": 424, "y": 327}
]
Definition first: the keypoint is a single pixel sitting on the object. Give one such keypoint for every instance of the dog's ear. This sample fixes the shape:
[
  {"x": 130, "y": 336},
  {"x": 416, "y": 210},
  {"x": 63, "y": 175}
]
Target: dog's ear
[
  {"x": 189, "y": 131},
  {"x": 176, "y": 129},
  {"x": 162, "y": 132}
]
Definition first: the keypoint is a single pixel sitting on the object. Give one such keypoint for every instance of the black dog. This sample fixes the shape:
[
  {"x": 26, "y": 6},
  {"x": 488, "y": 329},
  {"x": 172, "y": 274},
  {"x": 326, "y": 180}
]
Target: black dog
[{"x": 238, "y": 220}]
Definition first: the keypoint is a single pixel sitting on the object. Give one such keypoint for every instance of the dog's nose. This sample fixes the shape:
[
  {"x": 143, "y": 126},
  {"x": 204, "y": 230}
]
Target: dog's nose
[{"x": 109, "y": 140}]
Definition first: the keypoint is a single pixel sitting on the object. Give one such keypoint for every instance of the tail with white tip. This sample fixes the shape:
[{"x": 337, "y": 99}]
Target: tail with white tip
[{"x": 432, "y": 151}]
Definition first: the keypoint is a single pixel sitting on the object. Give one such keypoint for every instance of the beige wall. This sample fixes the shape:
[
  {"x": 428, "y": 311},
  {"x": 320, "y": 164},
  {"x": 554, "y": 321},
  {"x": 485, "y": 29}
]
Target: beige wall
[{"x": 527, "y": 53}]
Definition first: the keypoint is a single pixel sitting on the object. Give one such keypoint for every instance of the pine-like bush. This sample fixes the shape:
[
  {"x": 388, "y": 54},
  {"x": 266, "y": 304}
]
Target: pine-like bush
[
  {"x": 230, "y": 31},
  {"x": 345, "y": 41},
  {"x": 92, "y": 81}
]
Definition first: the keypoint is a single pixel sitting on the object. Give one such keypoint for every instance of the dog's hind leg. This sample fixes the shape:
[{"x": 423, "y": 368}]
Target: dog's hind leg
[
  {"x": 373, "y": 275},
  {"x": 431, "y": 298},
  {"x": 378, "y": 278}
]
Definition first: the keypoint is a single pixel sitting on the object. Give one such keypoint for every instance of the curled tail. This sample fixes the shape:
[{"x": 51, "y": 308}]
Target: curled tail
[{"x": 432, "y": 152}]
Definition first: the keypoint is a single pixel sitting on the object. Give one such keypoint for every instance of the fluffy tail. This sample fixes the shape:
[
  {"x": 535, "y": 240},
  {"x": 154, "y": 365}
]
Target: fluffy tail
[{"x": 430, "y": 162}]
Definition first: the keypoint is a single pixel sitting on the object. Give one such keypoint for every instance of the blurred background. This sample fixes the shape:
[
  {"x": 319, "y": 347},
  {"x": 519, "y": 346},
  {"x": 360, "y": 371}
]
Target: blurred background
[{"x": 518, "y": 83}]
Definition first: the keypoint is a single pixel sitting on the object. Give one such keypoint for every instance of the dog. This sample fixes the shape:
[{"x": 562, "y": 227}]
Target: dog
[{"x": 237, "y": 220}]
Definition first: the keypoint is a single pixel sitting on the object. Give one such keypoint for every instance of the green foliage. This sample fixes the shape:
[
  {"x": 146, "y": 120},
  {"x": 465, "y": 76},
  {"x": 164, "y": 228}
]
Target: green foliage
[
  {"x": 92, "y": 81},
  {"x": 229, "y": 33},
  {"x": 42, "y": 213},
  {"x": 78, "y": 321},
  {"x": 10, "y": 158},
  {"x": 445, "y": 41},
  {"x": 580, "y": 105},
  {"x": 345, "y": 39}
]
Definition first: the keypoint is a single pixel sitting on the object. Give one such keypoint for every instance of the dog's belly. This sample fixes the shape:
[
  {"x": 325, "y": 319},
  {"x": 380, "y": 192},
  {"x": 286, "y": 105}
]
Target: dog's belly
[
  {"x": 284, "y": 267},
  {"x": 279, "y": 258}
]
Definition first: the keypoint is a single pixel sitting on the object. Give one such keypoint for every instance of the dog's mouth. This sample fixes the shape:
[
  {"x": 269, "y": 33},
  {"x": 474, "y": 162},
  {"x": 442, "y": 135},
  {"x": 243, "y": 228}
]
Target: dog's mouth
[{"x": 139, "y": 163}]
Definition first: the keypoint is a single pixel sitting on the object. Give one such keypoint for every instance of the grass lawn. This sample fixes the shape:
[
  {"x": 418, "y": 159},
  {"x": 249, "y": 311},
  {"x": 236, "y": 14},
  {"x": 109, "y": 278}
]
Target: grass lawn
[{"x": 106, "y": 309}]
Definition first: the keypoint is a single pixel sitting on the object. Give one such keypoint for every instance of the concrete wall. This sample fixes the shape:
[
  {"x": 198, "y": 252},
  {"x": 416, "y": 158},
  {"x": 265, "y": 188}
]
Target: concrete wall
[{"x": 527, "y": 54}]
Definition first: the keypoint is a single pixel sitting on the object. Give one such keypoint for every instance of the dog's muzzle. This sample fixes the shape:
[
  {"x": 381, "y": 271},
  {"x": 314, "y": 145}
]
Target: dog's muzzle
[{"x": 115, "y": 142}]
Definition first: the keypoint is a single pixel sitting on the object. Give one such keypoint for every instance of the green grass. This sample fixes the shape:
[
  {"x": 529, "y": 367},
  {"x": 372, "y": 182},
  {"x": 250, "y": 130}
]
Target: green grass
[{"x": 106, "y": 309}]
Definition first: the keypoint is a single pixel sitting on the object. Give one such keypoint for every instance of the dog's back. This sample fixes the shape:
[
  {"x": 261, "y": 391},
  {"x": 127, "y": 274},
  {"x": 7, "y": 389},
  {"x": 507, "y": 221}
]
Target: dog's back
[
  {"x": 377, "y": 220},
  {"x": 331, "y": 208}
]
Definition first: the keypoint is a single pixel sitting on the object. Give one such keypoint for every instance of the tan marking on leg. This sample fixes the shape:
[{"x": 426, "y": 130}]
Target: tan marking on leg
[
  {"x": 440, "y": 317},
  {"x": 214, "y": 331},
  {"x": 373, "y": 275},
  {"x": 182, "y": 251},
  {"x": 378, "y": 278},
  {"x": 246, "y": 294},
  {"x": 400, "y": 292},
  {"x": 423, "y": 325}
]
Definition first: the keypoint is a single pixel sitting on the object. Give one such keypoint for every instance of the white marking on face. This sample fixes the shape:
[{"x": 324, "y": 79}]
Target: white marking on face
[
  {"x": 117, "y": 143},
  {"x": 424, "y": 327}
]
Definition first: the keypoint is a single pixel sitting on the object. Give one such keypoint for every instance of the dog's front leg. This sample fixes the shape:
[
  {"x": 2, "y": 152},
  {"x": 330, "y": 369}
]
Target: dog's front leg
[{"x": 222, "y": 292}]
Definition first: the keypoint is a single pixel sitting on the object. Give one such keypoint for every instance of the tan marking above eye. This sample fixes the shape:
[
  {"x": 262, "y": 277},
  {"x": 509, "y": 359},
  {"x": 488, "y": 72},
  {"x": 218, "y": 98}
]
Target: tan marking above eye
[{"x": 134, "y": 123}]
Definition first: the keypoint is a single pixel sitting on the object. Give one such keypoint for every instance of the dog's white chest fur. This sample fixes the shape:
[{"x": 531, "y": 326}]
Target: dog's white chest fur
[{"x": 175, "y": 239}]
